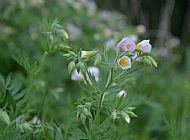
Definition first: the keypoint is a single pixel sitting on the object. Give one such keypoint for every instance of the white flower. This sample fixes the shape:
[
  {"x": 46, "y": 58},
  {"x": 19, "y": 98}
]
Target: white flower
[
  {"x": 94, "y": 71},
  {"x": 88, "y": 54},
  {"x": 75, "y": 76},
  {"x": 36, "y": 120},
  {"x": 121, "y": 93},
  {"x": 141, "y": 29},
  {"x": 144, "y": 46},
  {"x": 126, "y": 44},
  {"x": 124, "y": 62}
]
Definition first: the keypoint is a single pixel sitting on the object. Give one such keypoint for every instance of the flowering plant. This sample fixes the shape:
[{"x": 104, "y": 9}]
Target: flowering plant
[
  {"x": 103, "y": 100},
  {"x": 101, "y": 74}
]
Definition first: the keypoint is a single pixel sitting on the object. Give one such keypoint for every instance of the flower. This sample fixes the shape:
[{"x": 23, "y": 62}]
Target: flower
[
  {"x": 124, "y": 62},
  {"x": 75, "y": 76},
  {"x": 88, "y": 54},
  {"x": 126, "y": 44},
  {"x": 94, "y": 71},
  {"x": 144, "y": 46},
  {"x": 121, "y": 93}
]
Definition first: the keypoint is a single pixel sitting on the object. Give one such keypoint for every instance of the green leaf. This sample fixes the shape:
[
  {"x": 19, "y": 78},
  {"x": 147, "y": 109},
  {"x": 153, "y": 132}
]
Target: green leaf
[
  {"x": 4, "y": 117},
  {"x": 110, "y": 78},
  {"x": 25, "y": 126},
  {"x": 64, "y": 47},
  {"x": 132, "y": 114},
  {"x": 87, "y": 112},
  {"x": 71, "y": 66},
  {"x": 82, "y": 67},
  {"x": 2, "y": 81},
  {"x": 79, "y": 134},
  {"x": 8, "y": 79},
  {"x": 105, "y": 124}
]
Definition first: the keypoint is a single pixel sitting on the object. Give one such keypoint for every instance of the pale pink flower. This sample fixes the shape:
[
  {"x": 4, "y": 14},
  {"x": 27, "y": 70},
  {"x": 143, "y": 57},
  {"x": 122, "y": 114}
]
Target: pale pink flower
[
  {"x": 124, "y": 62},
  {"x": 144, "y": 46},
  {"x": 75, "y": 76},
  {"x": 126, "y": 44}
]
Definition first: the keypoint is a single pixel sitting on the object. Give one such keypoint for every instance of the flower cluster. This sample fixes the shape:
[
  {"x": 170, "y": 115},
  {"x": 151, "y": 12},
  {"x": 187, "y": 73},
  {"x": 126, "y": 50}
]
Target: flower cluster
[
  {"x": 128, "y": 52},
  {"x": 134, "y": 50}
]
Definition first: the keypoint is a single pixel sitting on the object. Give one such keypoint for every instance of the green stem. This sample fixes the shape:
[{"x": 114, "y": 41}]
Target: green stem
[
  {"x": 93, "y": 84},
  {"x": 101, "y": 100},
  {"x": 42, "y": 61},
  {"x": 87, "y": 131},
  {"x": 119, "y": 75}
]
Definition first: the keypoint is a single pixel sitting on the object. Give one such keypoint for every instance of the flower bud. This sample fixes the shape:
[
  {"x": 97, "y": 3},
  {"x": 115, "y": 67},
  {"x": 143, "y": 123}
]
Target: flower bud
[
  {"x": 95, "y": 72},
  {"x": 71, "y": 66},
  {"x": 88, "y": 54},
  {"x": 77, "y": 76},
  {"x": 126, "y": 117},
  {"x": 122, "y": 93},
  {"x": 144, "y": 46},
  {"x": 149, "y": 61},
  {"x": 63, "y": 34}
]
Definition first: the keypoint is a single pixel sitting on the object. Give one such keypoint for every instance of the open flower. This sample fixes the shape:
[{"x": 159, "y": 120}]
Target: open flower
[
  {"x": 126, "y": 44},
  {"x": 94, "y": 71},
  {"x": 75, "y": 76},
  {"x": 124, "y": 62},
  {"x": 144, "y": 46},
  {"x": 88, "y": 54}
]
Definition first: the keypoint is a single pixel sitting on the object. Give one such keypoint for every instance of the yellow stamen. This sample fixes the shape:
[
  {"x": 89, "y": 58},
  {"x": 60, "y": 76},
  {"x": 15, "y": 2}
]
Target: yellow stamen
[
  {"x": 122, "y": 62},
  {"x": 127, "y": 46},
  {"x": 138, "y": 48}
]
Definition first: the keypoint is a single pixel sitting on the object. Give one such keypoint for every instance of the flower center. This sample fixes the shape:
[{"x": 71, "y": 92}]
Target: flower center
[
  {"x": 138, "y": 48},
  {"x": 122, "y": 62},
  {"x": 127, "y": 46}
]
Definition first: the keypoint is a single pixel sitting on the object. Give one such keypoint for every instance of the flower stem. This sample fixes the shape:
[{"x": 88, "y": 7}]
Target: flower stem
[
  {"x": 87, "y": 131},
  {"x": 93, "y": 84}
]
